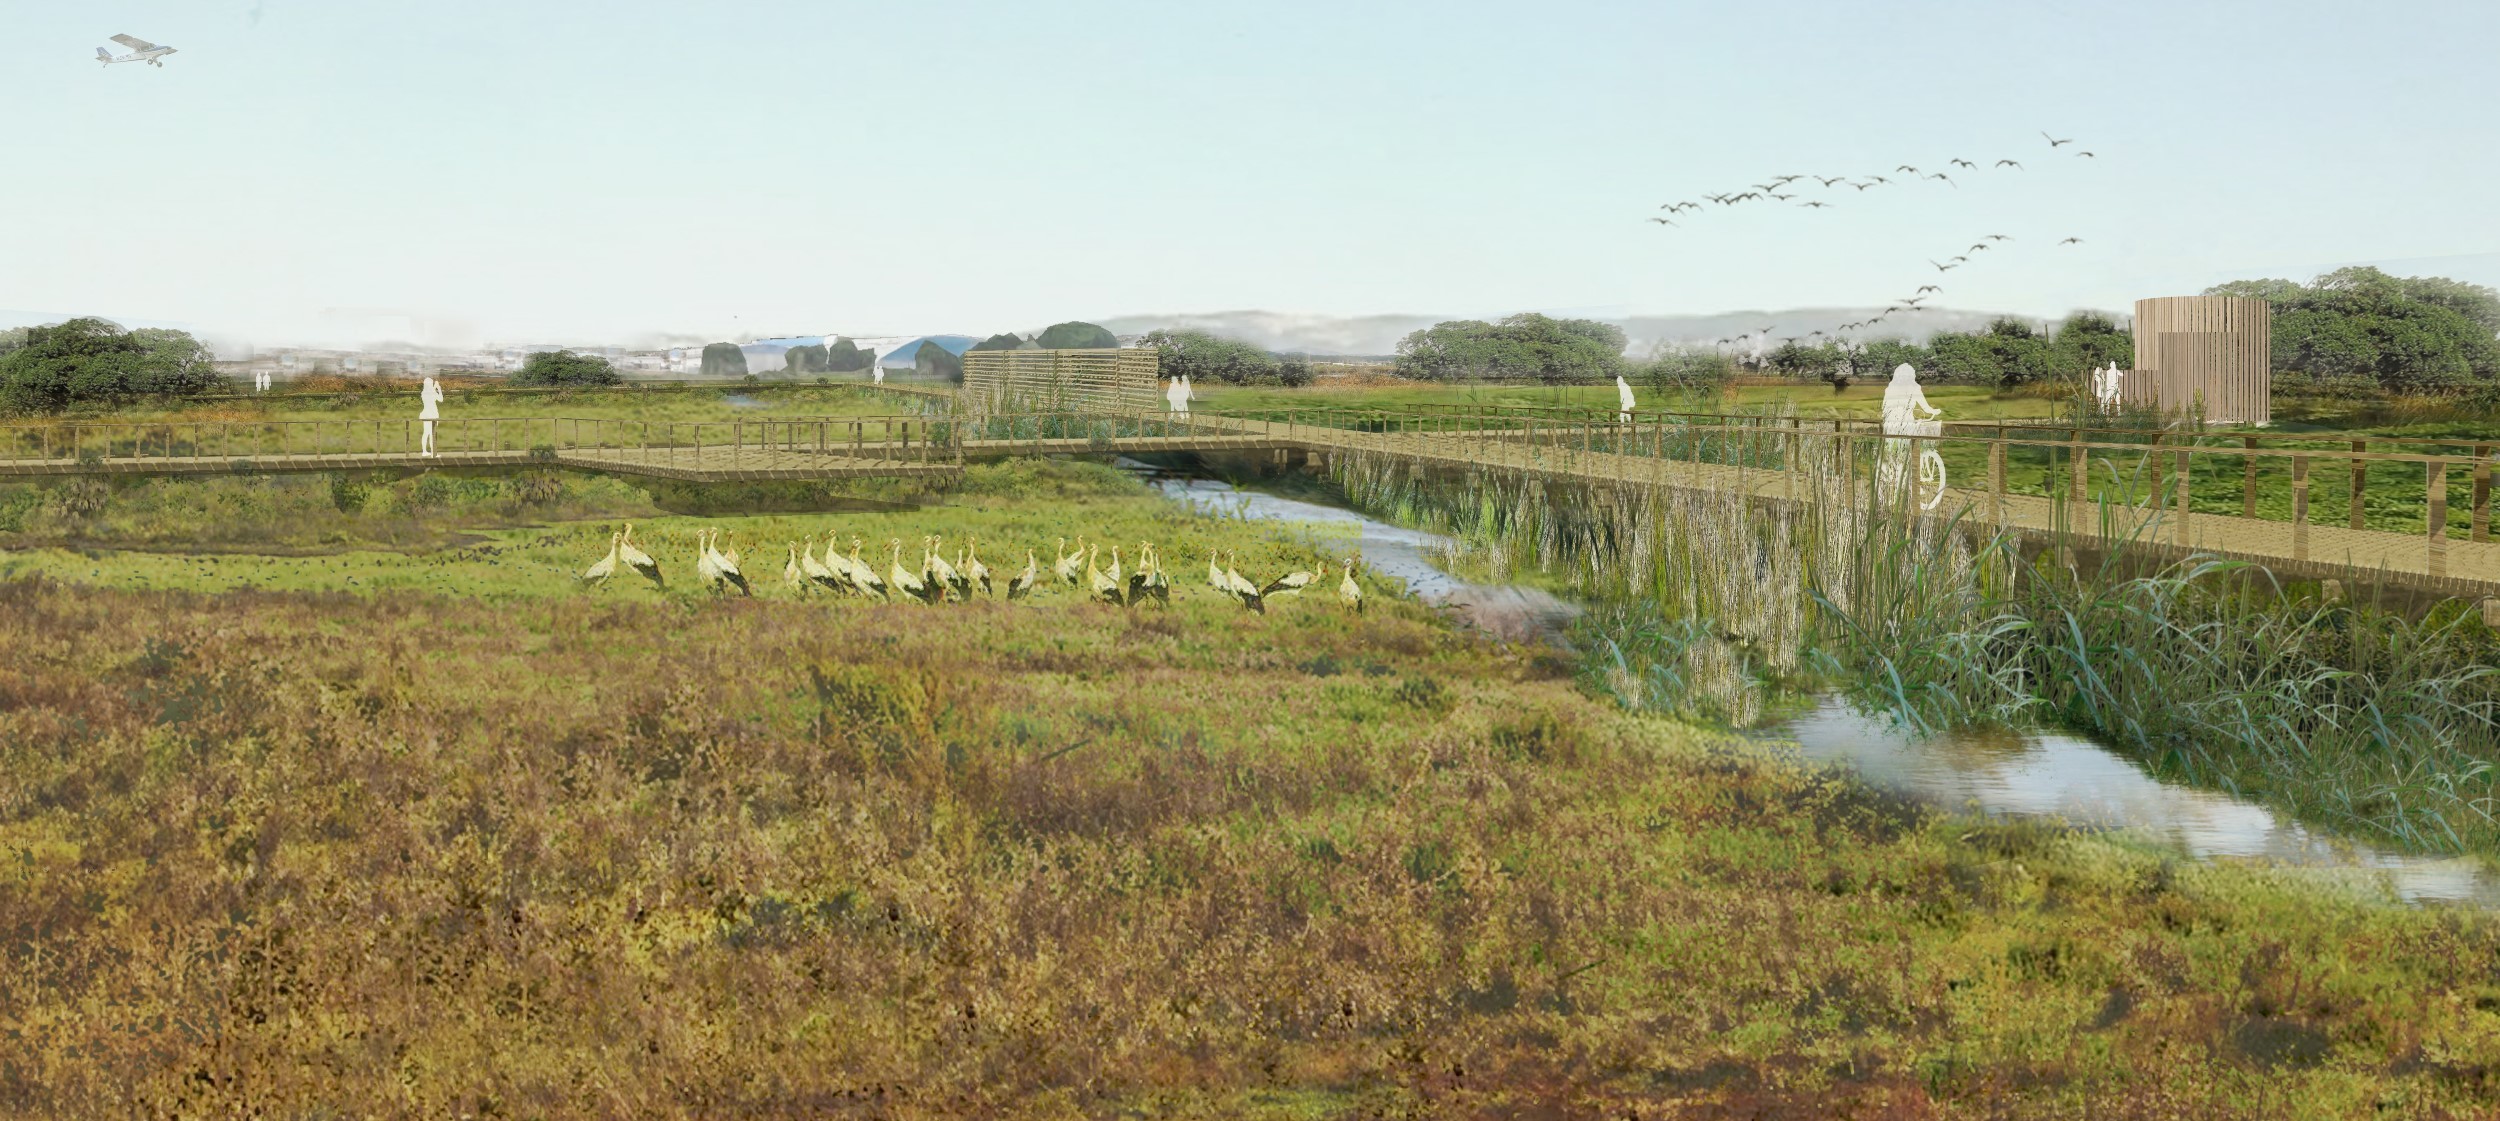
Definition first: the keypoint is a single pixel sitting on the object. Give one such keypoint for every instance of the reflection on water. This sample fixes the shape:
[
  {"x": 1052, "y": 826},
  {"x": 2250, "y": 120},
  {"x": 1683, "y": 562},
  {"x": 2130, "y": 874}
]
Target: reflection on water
[
  {"x": 1504, "y": 612},
  {"x": 1999, "y": 772},
  {"x": 1991, "y": 771}
]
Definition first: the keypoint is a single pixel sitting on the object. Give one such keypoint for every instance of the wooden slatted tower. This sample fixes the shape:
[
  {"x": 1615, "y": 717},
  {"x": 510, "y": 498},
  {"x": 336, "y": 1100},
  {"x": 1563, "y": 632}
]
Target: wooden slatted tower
[
  {"x": 1025, "y": 381},
  {"x": 2208, "y": 351}
]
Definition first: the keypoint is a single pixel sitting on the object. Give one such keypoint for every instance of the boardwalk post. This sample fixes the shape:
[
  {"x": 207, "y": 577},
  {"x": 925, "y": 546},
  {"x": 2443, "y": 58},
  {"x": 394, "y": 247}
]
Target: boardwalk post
[
  {"x": 2159, "y": 496},
  {"x": 2435, "y": 484},
  {"x": 2300, "y": 507},
  {"x": 1996, "y": 477},
  {"x": 2186, "y": 477},
  {"x": 2482, "y": 492},
  {"x": 2360, "y": 471},
  {"x": 2248, "y": 478},
  {"x": 2078, "y": 470}
]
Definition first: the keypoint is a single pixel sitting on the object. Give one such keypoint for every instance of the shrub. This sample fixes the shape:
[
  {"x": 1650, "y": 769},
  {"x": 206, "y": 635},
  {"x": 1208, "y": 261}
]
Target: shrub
[
  {"x": 565, "y": 369},
  {"x": 92, "y": 361}
]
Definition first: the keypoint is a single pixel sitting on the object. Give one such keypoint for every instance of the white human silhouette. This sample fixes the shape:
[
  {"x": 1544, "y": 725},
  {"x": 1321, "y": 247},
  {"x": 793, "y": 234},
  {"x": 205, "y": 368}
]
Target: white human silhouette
[
  {"x": 1903, "y": 401},
  {"x": 880, "y": 373},
  {"x": 1176, "y": 397},
  {"x": 1623, "y": 393},
  {"x": 430, "y": 399},
  {"x": 1189, "y": 393},
  {"x": 2105, "y": 386}
]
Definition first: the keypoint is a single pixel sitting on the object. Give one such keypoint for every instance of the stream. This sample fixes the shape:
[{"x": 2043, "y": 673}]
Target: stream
[{"x": 1993, "y": 772}]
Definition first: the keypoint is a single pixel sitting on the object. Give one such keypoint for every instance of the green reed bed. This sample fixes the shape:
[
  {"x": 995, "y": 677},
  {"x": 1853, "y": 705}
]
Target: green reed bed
[{"x": 1712, "y": 605}]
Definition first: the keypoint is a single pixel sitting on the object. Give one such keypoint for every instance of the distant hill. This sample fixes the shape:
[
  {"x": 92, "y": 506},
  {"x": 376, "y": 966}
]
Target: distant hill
[{"x": 1378, "y": 335}]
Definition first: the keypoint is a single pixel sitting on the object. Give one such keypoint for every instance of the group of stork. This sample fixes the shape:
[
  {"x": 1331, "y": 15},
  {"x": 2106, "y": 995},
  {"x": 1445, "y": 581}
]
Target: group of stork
[{"x": 938, "y": 580}]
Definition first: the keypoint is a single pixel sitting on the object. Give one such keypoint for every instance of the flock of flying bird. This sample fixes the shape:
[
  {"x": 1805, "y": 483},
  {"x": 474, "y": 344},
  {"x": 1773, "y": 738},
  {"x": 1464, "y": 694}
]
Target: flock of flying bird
[
  {"x": 937, "y": 580},
  {"x": 1772, "y": 191}
]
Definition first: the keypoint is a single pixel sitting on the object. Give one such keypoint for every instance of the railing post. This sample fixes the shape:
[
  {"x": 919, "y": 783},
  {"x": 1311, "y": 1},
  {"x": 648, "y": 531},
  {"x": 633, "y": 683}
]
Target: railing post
[
  {"x": 2078, "y": 470},
  {"x": 2360, "y": 472},
  {"x": 2435, "y": 486},
  {"x": 2300, "y": 507},
  {"x": 2482, "y": 492},
  {"x": 2186, "y": 476},
  {"x": 1996, "y": 476}
]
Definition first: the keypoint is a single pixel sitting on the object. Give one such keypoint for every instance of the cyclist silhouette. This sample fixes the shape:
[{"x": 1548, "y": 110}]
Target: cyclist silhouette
[{"x": 1903, "y": 401}]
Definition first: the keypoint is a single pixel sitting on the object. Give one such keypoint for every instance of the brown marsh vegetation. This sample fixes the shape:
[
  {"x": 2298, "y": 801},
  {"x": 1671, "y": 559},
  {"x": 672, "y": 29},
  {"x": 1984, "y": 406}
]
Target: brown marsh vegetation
[{"x": 297, "y": 854}]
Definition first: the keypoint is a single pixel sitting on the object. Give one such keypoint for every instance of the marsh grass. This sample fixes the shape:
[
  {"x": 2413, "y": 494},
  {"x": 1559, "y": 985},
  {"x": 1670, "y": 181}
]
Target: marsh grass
[
  {"x": 309, "y": 854},
  {"x": 1714, "y": 605}
]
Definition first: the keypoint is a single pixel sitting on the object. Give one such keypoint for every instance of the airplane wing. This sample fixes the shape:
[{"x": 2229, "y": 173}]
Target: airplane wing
[{"x": 134, "y": 43}]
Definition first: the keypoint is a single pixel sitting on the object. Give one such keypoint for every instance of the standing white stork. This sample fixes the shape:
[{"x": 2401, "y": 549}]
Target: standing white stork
[
  {"x": 1065, "y": 565},
  {"x": 903, "y": 581},
  {"x": 599, "y": 573},
  {"x": 791, "y": 576},
  {"x": 942, "y": 574},
  {"x": 1350, "y": 593},
  {"x": 1292, "y": 583},
  {"x": 821, "y": 574},
  {"x": 1243, "y": 590},
  {"x": 1022, "y": 585},
  {"x": 725, "y": 567},
  {"x": 1097, "y": 585},
  {"x": 638, "y": 560},
  {"x": 865, "y": 577},
  {"x": 976, "y": 572}
]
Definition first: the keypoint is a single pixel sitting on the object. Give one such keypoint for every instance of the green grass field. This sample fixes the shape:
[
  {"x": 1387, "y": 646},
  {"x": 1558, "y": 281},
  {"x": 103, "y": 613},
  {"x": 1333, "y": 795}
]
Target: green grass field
[{"x": 436, "y": 831}]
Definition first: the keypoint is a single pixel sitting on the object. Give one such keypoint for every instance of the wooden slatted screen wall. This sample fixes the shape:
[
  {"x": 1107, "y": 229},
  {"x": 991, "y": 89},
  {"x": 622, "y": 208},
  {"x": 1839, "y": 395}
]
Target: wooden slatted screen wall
[
  {"x": 2217, "y": 348},
  {"x": 1110, "y": 380}
]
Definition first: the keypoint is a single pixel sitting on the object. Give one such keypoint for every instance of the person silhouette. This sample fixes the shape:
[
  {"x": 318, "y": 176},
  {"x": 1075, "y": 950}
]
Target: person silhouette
[
  {"x": 1623, "y": 394},
  {"x": 1903, "y": 401},
  {"x": 429, "y": 399}
]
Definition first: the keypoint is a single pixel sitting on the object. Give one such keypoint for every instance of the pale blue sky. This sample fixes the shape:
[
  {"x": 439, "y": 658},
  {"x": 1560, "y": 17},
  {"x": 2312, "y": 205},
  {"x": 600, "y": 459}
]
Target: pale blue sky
[{"x": 580, "y": 172}]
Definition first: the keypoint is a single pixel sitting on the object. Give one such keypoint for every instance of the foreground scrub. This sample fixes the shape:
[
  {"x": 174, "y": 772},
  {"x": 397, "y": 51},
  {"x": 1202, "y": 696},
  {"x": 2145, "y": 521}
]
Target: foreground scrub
[{"x": 427, "y": 855}]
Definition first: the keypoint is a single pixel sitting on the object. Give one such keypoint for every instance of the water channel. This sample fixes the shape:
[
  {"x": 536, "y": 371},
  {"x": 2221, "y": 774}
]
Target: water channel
[{"x": 1994, "y": 772}]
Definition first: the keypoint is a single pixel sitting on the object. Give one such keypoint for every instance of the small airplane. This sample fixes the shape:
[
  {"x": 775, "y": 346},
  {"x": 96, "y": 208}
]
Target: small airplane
[{"x": 140, "y": 51}]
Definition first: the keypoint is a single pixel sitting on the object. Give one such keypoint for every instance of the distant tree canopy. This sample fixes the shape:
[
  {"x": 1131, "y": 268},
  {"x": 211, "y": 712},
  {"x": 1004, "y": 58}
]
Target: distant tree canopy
[
  {"x": 565, "y": 368},
  {"x": 1075, "y": 335},
  {"x": 807, "y": 358},
  {"x": 1687, "y": 369},
  {"x": 12, "y": 339},
  {"x": 932, "y": 360},
  {"x": 1006, "y": 341},
  {"x": 1200, "y": 356},
  {"x": 89, "y": 360},
  {"x": 1528, "y": 345},
  {"x": 2009, "y": 352},
  {"x": 724, "y": 360},
  {"x": 845, "y": 356},
  {"x": 2404, "y": 333}
]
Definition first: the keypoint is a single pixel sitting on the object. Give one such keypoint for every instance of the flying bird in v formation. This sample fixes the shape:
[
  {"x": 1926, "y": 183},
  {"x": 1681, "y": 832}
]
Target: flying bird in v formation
[
  {"x": 140, "y": 51},
  {"x": 1772, "y": 188}
]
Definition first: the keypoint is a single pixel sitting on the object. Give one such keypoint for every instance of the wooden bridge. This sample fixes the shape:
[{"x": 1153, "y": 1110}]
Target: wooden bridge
[{"x": 2248, "y": 496}]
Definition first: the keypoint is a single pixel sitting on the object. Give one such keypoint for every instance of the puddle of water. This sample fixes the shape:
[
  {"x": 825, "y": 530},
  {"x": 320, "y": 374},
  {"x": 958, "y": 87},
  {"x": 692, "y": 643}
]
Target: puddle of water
[
  {"x": 1991, "y": 771},
  {"x": 1507, "y": 613},
  {"x": 2004, "y": 773},
  {"x": 743, "y": 401}
]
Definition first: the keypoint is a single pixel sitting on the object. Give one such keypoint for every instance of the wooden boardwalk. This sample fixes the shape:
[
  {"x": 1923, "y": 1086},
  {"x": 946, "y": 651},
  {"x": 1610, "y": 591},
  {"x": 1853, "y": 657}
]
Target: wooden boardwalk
[{"x": 1600, "y": 454}]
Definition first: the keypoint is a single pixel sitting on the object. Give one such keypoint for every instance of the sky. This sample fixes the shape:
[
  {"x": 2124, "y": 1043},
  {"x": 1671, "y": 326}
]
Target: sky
[{"x": 458, "y": 172}]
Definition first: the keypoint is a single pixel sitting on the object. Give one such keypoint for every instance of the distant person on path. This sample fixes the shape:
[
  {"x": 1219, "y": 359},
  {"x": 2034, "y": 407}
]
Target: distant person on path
[
  {"x": 430, "y": 399},
  {"x": 1176, "y": 397},
  {"x": 880, "y": 373},
  {"x": 2105, "y": 387},
  {"x": 1903, "y": 401},
  {"x": 1189, "y": 393},
  {"x": 1623, "y": 391}
]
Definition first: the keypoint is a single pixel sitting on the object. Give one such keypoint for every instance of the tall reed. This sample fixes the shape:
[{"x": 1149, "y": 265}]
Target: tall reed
[{"x": 1707, "y": 601}]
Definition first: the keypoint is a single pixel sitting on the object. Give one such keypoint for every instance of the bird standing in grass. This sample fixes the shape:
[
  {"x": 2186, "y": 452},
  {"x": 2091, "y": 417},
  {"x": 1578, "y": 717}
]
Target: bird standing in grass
[
  {"x": 638, "y": 560},
  {"x": 1136, "y": 580},
  {"x": 705, "y": 571},
  {"x": 1065, "y": 565},
  {"x": 941, "y": 574},
  {"x": 820, "y": 574},
  {"x": 1215, "y": 575},
  {"x": 863, "y": 576},
  {"x": 1022, "y": 585},
  {"x": 976, "y": 572},
  {"x": 791, "y": 577},
  {"x": 599, "y": 573},
  {"x": 902, "y": 581},
  {"x": 1243, "y": 590},
  {"x": 1350, "y": 593},
  {"x": 1156, "y": 585},
  {"x": 1292, "y": 583},
  {"x": 1097, "y": 585},
  {"x": 725, "y": 567}
]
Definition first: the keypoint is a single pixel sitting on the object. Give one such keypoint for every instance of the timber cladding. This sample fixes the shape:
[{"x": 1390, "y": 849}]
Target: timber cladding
[
  {"x": 2208, "y": 351},
  {"x": 1024, "y": 381}
]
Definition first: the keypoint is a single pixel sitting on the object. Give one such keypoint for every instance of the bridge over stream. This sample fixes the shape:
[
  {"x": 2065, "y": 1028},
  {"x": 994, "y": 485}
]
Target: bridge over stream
[{"x": 2256, "y": 497}]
